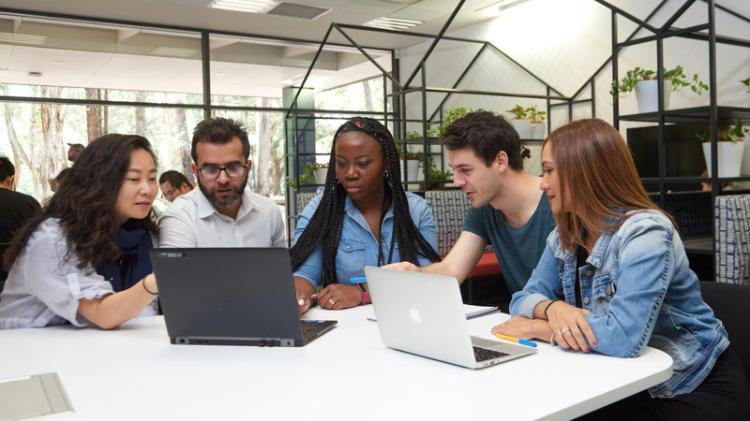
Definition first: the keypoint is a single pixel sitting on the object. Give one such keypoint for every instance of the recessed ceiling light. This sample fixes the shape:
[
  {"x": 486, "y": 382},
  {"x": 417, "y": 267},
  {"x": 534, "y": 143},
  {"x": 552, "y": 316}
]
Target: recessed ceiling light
[
  {"x": 249, "y": 6},
  {"x": 495, "y": 8},
  {"x": 393, "y": 23}
]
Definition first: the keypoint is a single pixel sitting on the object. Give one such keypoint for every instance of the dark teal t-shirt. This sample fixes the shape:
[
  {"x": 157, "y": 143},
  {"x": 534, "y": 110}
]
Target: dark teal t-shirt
[{"x": 517, "y": 249}]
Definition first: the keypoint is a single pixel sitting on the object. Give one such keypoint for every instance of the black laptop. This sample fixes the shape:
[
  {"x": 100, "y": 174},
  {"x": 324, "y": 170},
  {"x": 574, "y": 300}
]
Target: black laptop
[{"x": 231, "y": 296}]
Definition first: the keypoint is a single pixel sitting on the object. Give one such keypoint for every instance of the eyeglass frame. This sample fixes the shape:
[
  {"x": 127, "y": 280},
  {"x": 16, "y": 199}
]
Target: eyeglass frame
[
  {"x": 224, "y": 168},
  {"x": 168, "y": 194}
]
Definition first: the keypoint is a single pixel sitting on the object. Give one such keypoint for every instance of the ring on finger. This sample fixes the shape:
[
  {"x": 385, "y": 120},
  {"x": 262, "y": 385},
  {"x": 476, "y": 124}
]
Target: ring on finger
[
  {"x": 564, "y": 330},
  {"x": 331, "y": 302}
]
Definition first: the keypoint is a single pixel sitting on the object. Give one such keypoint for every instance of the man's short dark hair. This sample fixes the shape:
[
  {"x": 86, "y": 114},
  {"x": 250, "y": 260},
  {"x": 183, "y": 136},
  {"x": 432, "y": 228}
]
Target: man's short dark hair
[
  {"x": 486, "y": 133},
  {"x": 62, "y": 175},
  {"x": 219, "y": 130},
  {"x": 77, "y": 146},
  {"x": 7, "y": 168},
  {"x": 175, "y": 178}
]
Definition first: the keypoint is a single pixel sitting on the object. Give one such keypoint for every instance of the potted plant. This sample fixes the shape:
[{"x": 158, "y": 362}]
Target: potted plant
[
  {"x": 314, "y": 174},
  {"x": 536, "y": 118},
  {"x": 438, "y": 178},
  {"x": 449, "y": 117},
  {"x": 520, "y": 121},
  {"x": 644, "y": 82},
  {"x": 730, "y": 147},
  {"x": 412, "y": 164}
]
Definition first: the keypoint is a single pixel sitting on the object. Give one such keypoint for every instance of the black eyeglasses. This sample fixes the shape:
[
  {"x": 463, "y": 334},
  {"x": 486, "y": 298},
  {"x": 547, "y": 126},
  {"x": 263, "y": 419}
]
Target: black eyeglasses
[
  {"x": 233, "y": 170},
  {"x": 168, "y": 194}
]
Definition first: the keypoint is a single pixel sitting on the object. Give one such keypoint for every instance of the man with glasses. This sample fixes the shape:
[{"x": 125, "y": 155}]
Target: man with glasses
[
  {"x": 174, "y": 184},
  {"x": 221, "y": 212}
]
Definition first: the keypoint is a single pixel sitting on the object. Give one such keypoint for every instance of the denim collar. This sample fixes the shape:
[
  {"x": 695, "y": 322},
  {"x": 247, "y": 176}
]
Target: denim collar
[
  {"x": 600, "y": 247},
  {"x": 354, "y": 213}
]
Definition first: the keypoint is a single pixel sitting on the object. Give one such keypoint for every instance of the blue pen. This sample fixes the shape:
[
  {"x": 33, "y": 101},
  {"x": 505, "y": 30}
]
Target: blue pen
[
  {"x": 358, "y": 280},
  {"x": 514, "y": 339}
]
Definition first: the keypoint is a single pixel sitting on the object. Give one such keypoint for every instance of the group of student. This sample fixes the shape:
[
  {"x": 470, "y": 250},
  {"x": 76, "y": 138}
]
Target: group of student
[{"x": 593, "y": 264}]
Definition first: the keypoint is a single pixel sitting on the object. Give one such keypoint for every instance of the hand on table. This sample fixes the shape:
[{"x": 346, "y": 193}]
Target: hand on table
[
  {"x": 339, "y": 297},
  {"x": 569, "y": 326}
]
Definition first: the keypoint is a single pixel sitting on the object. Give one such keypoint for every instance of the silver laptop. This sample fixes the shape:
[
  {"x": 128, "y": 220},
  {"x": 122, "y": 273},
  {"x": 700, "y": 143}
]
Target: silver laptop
[{"x": 423, "y": 314}]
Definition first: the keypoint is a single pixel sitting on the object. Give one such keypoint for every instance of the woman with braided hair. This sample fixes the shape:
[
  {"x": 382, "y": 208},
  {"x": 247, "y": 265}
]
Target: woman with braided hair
[{"x": 363, "y": 217}]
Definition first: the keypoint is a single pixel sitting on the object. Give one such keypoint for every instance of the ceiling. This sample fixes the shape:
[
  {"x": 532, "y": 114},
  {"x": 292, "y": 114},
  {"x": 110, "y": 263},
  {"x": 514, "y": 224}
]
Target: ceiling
[
  {"x": 39, "y": 51},
  {"x": 196, "y": 14}
]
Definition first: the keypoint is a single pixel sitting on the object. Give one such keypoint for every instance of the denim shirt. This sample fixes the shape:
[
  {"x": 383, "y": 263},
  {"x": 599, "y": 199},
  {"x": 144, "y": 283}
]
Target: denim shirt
[
  {"x": 640, "y": 291},
  {"x": 358, "y": 246}
]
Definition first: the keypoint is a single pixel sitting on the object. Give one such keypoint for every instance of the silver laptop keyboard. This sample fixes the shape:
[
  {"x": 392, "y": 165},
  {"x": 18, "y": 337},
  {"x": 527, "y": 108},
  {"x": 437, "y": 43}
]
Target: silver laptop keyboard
[{"x": 484, "y": 354}]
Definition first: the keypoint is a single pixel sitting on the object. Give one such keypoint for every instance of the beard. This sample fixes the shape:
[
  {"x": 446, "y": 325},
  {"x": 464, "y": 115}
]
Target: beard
[{"x": 224, "y": 202}]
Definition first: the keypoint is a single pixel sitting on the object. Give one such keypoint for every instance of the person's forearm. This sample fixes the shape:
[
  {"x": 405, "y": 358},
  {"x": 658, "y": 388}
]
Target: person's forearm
[
  {"x": 445, "y": 269},
  {"x": 115, "y": 309},
  {"x": 541, "y": 330},
  {"x": 539, "y": 309}
]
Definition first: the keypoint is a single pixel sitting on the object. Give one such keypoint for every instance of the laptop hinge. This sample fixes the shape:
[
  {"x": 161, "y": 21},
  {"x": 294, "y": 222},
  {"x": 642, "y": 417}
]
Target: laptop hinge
[{"x": 218, "y": 340}]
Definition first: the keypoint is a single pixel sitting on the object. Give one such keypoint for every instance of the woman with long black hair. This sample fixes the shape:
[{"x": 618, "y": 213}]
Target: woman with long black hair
[
  {"x": 85, "y": 258},
  {"x": 363, "y": 217}
]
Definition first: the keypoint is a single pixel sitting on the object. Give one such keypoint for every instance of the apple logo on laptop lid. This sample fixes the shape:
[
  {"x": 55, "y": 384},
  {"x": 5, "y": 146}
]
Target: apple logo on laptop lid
[{"x": 414, "y": 315}]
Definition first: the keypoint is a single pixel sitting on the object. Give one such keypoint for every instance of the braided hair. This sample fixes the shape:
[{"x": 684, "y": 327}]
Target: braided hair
[{"x": 326, "y": 223}]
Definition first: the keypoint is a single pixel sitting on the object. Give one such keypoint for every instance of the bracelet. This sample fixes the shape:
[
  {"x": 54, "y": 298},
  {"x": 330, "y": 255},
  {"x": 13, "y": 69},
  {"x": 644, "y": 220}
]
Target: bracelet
[
  {"x": 547, "y": 307},
  {"x": 143, "y": 282},
  {"x": 365, "y": 299},
  {"x": 552, "y": 339}
]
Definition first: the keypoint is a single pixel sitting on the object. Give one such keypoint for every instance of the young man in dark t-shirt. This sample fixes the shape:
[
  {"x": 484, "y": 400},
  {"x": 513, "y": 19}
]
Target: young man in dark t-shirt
[
  {"x": 508, "y": 210},
  {"x": 15, "y": 208}
]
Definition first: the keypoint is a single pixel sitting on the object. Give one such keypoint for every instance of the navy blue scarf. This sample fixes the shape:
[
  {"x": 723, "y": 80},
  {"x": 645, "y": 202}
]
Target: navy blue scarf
[{"x": 135, "y": 263}]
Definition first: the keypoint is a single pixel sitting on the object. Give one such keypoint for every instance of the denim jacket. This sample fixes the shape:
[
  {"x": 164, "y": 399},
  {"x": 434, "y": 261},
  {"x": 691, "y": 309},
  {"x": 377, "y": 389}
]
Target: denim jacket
[
  {"x": 640, "y": 291},
  {"x": 358, "y": 247}
]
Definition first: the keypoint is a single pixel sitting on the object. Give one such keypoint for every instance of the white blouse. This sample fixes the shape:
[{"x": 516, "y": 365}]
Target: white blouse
[{"x": 44, "y": 284}]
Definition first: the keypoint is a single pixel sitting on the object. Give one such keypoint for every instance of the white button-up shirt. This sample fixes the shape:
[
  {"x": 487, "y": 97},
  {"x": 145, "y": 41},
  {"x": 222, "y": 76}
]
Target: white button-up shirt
[{"x": 192, "y": 221}]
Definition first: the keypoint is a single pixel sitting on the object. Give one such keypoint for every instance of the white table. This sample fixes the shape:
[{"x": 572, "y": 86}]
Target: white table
[{"x": 134, "y": 373}]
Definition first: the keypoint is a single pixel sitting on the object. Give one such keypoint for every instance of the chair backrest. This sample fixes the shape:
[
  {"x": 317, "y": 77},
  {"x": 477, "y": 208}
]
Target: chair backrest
[
  {"x": 731, "y": 305},
  {"x": 732, "y": 224},
  {"x": 302, "y": 200},
  {"x": 3, "y": 274},
  {"x": 449, "y": 208}
]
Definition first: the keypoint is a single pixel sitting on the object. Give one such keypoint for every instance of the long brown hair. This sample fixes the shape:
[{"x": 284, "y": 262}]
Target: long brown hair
[
  {"x": 85, "y": 202},
  {"x": 597, "y": 175}
]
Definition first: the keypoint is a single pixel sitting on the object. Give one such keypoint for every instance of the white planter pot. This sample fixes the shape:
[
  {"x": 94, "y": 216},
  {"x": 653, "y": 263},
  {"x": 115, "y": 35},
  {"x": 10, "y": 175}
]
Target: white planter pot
[
  {"x": 537, "y": 130},
  {"x": 730, "y": 158},
  {"x": 320, "y": 175},
  {"x": 523, "y": 127},
  {"x": 646, "y": 95},
  {"x": 412, "y": 172}
]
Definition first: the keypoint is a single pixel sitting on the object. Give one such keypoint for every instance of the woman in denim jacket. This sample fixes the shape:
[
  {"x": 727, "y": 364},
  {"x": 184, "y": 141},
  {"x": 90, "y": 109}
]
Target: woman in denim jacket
[
  {"x": 614, "y": 278},
  {"x": 363, "y": 217}
]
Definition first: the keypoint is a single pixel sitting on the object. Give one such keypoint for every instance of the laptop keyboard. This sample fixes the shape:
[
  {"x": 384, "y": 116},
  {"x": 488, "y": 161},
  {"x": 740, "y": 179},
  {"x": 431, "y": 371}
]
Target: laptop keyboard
[{"x": 484, "y": 354}]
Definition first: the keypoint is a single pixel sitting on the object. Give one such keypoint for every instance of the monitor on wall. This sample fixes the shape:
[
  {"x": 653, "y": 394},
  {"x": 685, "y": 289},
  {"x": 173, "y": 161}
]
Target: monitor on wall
[{"x": 684, "y": 153}]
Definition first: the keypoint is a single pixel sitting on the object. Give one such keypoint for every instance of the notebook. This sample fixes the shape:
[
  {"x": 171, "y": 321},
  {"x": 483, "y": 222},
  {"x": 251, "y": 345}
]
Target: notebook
[{"x": 471, "y": 311}]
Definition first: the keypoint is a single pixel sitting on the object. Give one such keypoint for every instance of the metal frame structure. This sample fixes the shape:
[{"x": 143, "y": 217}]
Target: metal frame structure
[
  {"x": 713, "y": 112},
  {"x": 206, "y": 105},
  {"x": 401, "y": 90}
]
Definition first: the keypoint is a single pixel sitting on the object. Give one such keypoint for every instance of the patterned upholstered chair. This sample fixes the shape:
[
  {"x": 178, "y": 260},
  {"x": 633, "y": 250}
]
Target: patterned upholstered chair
[
  {"x": 448, "y": 209},
  {"x": 733, "y": 239},
  {"x": 299, "y": 203},
  {"x": 302, "y": 200}
]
